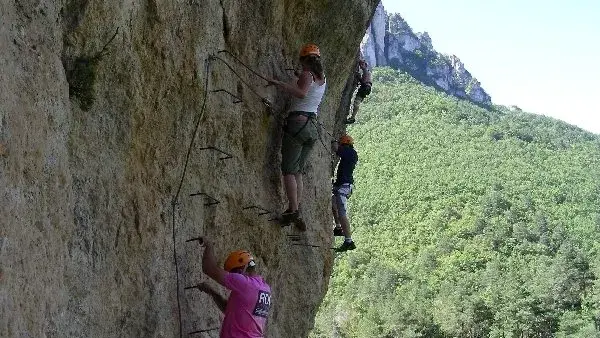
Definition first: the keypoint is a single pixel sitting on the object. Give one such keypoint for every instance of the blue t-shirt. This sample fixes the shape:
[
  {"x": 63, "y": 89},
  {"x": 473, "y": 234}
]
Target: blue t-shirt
[{"x": 348, "y": 159}]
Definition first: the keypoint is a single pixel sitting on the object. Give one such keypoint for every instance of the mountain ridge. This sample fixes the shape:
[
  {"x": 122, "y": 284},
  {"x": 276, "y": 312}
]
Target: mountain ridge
[{"x": 390, "y": 41}]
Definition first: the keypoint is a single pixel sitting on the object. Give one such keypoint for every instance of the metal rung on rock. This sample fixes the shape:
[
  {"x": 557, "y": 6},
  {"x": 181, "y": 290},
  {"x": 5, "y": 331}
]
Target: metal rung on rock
[
  {"x": 236, "y": 99},
  {"x": 227, "y": 155},
  {"x": 212, "y": 200}
]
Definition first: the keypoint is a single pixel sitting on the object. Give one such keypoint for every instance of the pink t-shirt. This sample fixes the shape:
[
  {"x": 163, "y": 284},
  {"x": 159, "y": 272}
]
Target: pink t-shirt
[{"x": 247, "y": 307}]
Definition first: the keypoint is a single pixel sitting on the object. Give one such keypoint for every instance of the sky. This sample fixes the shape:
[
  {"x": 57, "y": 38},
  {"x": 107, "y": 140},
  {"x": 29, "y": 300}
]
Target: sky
[{"x": 543, "y": 56}]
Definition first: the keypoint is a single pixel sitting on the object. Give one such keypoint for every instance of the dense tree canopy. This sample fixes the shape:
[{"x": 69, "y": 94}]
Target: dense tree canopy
[{"x": 468, "y": 221}]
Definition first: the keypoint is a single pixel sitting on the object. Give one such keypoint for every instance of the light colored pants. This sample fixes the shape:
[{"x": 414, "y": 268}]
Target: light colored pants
[{"x": 341, "y": 194}]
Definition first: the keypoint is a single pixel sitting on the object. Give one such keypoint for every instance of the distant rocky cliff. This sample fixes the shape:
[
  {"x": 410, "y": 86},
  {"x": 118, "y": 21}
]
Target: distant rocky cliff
[{"x": 390, "y": 41}]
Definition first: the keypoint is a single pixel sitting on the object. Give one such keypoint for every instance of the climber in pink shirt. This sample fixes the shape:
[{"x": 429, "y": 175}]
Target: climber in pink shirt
[{"x": 248, "y": 305}]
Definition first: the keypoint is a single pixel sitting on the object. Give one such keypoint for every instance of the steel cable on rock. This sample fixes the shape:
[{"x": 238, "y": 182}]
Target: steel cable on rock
[
  {"x": 176, "y": 197},
  {"x": 243, "y": 64},
  {"x": 187, "y": 158},
  {"x": 250, "y": 87},
  {"x": 328, "y": 150},
  {"x": 263, "y": 99}
]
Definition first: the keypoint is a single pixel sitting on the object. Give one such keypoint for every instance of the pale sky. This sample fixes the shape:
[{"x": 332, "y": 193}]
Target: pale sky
[{"x": 543, "y": 56}]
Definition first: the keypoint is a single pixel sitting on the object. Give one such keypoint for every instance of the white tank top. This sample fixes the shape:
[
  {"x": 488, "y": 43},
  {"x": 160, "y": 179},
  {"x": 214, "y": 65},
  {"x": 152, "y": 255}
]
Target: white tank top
[{"x": 310, "y": 103}]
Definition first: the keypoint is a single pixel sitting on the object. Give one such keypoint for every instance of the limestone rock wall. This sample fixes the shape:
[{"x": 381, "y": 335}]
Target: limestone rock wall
[{"x": 94, "y": 133}]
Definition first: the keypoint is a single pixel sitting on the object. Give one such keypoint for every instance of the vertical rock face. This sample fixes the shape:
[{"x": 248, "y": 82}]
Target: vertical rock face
[
  {"x": 414, "y": 53},
  {"x": 377, "y": 36},
  {"x": 373, "y": 43},
  {"x": 94, "y": 136}
]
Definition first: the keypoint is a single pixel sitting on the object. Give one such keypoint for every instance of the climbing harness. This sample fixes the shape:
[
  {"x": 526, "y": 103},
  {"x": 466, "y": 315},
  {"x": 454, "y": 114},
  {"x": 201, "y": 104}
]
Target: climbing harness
[
  {"x": 309, "y": 117},
  {"x": 336, "y": 190}
]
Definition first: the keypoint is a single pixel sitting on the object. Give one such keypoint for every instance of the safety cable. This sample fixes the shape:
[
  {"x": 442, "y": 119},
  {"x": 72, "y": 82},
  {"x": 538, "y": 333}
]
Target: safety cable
[
  {"x": 263, "y": 99},
  {"x": 312, "y": 246},
  {"x": 328, "y": 150},
  {"x": 187, "y": 158},
  {"x": 201, "y": 115},
  {"x": 325, "y": 129},
  {"x": 174, "y": 202},
  {"x": 243, "y": 64},
  {"x": 177, "y": 274}
]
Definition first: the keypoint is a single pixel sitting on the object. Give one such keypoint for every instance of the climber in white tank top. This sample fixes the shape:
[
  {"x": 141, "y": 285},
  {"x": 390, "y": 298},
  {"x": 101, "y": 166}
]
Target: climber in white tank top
[
  {"x": 312, "y": 99},
  {"x": 300, "y": 131}
]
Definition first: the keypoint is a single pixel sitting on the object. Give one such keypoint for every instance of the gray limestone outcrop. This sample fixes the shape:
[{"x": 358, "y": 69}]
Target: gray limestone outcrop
[
  {"x": 94, "y": 135},
  {"x": 414, "y": 53}
]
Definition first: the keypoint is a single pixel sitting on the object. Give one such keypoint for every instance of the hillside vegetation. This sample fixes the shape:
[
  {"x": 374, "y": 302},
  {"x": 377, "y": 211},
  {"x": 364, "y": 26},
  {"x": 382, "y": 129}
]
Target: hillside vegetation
[{"x": 469, "y": 222}]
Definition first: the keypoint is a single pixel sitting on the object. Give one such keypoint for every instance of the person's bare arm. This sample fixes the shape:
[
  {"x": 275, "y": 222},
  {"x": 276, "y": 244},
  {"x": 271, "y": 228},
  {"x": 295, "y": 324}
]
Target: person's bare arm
[
  {"x": 298, "y": 89},
  {"x": 209, "y": 264},
  {"x": 217, "y": 298}
]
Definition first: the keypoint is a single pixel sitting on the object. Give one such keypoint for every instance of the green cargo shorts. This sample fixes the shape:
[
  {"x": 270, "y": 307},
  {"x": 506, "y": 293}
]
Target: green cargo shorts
[{"x": 298, "y": 140}]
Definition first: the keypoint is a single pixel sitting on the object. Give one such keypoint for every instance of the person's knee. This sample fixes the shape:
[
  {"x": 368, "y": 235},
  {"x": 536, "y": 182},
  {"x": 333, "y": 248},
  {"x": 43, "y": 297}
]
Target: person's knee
[
  {"x": 289, "y": 169},
  {"x": 341, "y": 207},
  {"x": 290, "y": 163},
  {"x": 357, "y": 104}
]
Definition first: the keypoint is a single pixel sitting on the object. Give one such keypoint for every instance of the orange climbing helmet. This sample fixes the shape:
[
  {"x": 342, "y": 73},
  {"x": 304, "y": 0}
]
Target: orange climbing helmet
[
  {"x": 346, "y": 139},
  {"x": 238, "y": 259},
  {"x": 310, "y": 49}
]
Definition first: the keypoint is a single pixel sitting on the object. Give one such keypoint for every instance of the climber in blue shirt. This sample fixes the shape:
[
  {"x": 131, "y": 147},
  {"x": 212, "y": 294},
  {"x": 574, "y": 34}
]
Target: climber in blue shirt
[{"x": 342, "y": 189}]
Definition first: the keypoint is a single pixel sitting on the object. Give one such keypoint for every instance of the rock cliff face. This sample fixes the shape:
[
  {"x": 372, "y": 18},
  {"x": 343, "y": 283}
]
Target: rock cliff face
[
  {"x": 94, "y": 136},
  {"x": 390, "y": 41}
]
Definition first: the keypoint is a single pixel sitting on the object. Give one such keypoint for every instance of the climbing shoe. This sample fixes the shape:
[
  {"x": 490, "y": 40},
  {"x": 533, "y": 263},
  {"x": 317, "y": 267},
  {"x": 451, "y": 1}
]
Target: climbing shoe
[
  {"x": 350, "y": 120},
  {"x": 289, "y": 216},
  {"x": 337, "y": 231},
  {"x": 346, "y": 246},
  {"x": 300, "y": 224}
]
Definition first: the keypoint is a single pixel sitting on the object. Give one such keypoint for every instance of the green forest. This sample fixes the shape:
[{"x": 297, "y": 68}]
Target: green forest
[{"x": 469, "y": 222}]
